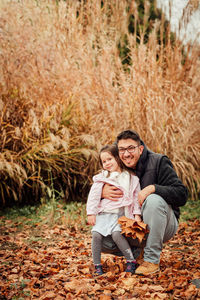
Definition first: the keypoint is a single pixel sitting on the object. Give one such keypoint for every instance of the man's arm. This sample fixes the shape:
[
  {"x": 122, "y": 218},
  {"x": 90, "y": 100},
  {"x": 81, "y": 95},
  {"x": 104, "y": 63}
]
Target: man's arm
[{"x": 170, "y": 186}]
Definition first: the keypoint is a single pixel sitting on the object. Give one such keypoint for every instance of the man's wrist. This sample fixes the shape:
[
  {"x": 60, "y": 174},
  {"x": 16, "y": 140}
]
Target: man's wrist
[{"x": 152, "y": 188}]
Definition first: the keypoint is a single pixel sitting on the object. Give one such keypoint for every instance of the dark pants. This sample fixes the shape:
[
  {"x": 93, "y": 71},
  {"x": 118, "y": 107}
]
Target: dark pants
[{"x": 110, "y": 247}]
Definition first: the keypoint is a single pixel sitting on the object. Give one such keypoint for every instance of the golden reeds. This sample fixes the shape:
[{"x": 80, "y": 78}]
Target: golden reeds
[{"x": 64, "y": 93}]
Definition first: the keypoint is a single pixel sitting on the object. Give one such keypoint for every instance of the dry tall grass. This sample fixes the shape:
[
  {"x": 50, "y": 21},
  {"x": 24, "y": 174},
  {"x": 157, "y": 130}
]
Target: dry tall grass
[{"x": 64, "y": 93}]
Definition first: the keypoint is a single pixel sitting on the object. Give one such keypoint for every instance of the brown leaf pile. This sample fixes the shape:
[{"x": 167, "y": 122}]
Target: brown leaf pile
[
  {"x": 132, "y": 228},
  {"x": 43, "y": 262}
]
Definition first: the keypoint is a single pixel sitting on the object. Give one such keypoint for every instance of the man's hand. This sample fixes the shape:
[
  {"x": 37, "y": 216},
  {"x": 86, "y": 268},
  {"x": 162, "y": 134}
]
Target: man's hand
[
  {"x": 111, "y": 192},
  {"x": 91, "y": 220},
  {"x": 148, "y": 190}
]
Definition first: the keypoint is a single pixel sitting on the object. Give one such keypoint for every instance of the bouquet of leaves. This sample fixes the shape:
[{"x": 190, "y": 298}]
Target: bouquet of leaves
[{"x": 133, "y": 228}]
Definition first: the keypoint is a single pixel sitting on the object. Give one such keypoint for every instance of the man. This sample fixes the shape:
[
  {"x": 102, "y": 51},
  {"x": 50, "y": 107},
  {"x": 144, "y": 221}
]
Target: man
[{"x": 161, "y": 195}]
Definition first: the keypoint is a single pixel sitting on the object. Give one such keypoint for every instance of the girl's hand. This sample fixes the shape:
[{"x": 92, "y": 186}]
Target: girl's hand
[
  {"x": 91, "y": 220},
  {"x": 111, "y": 192},
  {"x": 138, "y": 218}
]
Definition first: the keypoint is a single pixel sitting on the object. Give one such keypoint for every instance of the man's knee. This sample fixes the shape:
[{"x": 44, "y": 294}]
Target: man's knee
[{"x": 154, "y": 202}]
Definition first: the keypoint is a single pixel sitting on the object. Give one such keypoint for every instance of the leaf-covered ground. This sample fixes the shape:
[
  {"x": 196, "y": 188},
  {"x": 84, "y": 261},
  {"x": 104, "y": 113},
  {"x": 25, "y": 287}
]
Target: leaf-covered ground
[{"x": 54, "y": 262}]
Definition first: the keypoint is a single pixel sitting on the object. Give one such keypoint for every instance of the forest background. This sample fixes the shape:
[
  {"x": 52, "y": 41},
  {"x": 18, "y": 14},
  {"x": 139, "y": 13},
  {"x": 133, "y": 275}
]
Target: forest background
[{"x": 76, "y": 73}]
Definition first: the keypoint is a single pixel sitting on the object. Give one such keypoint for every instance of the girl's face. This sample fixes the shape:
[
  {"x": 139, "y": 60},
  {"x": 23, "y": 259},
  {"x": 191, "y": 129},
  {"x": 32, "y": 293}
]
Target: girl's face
[{"x": 109, "y": 162}]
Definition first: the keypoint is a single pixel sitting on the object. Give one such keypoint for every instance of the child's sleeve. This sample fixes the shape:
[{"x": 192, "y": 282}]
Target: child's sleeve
[
  {"x": 136, "y": 205},
  {"x": 94, "y": 198}
]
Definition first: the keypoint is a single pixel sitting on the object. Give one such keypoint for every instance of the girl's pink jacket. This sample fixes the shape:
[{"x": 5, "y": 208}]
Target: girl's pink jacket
[{"x": 95, "y": 204}]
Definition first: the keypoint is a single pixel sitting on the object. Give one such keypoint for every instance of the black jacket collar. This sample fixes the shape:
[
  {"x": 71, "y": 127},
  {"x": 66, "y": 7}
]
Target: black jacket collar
[{"x": 141, "y": 165}]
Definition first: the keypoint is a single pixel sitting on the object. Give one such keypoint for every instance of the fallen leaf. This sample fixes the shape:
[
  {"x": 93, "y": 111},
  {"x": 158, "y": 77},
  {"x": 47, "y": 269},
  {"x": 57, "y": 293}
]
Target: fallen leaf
[
  {"x": 170, "y": 286},
  {"x": 105, "y": 297},
  {"x": 48, "y": 295},
  {"x": 130, "y": 282}
]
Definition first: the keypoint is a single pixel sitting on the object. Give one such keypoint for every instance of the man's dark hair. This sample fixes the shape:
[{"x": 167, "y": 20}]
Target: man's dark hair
[
  {"x": 128, "y": 134},
  {"x": 113, "y": 150}
]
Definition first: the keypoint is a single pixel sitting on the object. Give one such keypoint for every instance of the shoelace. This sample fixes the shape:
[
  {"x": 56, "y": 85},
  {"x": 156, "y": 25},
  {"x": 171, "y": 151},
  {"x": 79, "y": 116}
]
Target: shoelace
[
  {"x": 129, "y": 267},
  {"x": 99, "y": 270}
]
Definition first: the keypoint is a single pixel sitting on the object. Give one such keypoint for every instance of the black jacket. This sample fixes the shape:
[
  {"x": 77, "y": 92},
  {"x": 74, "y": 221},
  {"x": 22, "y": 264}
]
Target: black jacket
[{"x": 157, "y": 169}]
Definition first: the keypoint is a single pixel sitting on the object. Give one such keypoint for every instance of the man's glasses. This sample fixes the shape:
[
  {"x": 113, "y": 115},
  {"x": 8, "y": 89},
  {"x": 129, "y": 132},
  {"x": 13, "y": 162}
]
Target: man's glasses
[{"x": 130, "y": 149}]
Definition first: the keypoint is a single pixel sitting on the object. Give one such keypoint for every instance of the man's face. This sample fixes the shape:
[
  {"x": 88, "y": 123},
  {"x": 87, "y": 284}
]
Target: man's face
[{"x": 132, "y": 152}]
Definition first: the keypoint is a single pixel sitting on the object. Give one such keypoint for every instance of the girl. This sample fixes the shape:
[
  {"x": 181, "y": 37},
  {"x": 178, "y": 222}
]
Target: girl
[{"x": 103, "y": 214}]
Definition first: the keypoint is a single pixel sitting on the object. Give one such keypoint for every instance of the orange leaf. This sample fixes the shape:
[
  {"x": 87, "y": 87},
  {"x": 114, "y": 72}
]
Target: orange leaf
[
  {"x": 139, "y": 236},
  {"x": 105, "y": 297},
  {"x": 170, "y": 286}
]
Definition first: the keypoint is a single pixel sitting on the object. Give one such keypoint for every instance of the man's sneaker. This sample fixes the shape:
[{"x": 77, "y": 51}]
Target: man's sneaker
[
  {"x": 130, "y": 267},
  {"x": 98, "y": 270},
  {"x": 147, "y": 268}
]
